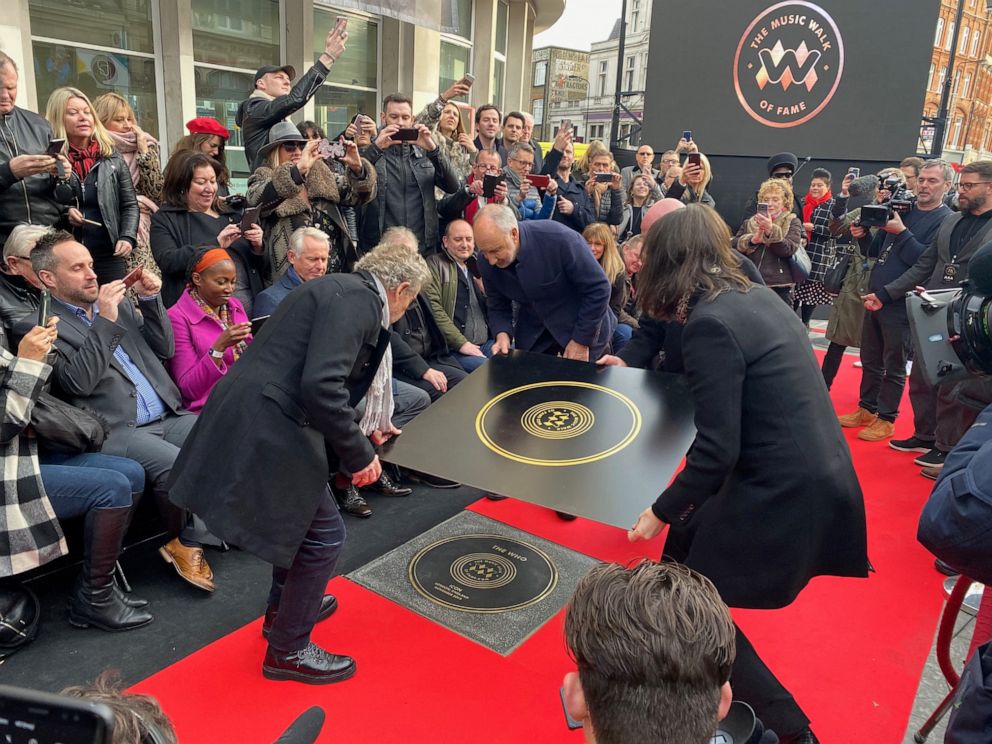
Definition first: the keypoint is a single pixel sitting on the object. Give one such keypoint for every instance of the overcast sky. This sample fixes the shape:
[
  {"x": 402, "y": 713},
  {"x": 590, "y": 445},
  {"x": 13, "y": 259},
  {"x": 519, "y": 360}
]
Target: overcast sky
[{"x": 582, "y": 23}]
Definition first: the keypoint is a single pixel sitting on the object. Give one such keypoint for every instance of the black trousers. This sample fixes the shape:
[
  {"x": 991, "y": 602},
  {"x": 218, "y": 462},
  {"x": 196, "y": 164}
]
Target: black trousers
[
  {"x": 885, "y": 347},
  {"x": 296, "y": 591},
  {"x": 452, "y": 372},
  {"x": 831, "y": 362},
  {"x": 754, "y": 684}
]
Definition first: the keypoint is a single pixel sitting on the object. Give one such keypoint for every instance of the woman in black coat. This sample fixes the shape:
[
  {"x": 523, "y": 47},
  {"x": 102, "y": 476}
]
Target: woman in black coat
[
  {"x": 768, "y": 497},
  {"x": 105, "y": 214},
  {"x": 192, "y": 217}
]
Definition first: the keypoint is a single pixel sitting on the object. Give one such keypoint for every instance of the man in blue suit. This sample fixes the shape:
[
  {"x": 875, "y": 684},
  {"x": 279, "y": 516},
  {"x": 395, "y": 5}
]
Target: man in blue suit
[{"x": 548, "y": 269}]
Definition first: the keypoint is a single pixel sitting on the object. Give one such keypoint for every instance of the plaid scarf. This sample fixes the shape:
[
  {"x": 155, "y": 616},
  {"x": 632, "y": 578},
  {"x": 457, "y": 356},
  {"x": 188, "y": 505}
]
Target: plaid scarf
[
  {"x": 83, "y": 158},
  {"x": 223, "y": 316}
]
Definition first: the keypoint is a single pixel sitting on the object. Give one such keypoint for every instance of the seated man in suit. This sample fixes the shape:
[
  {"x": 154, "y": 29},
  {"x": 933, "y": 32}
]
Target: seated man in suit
[
  {"x": 308, "y": 253},
  {"x": 108, "y": 359}
]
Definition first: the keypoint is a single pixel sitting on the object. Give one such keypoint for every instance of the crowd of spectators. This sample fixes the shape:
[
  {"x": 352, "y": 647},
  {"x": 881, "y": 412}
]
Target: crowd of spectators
[{"x": 159, "y": 279}]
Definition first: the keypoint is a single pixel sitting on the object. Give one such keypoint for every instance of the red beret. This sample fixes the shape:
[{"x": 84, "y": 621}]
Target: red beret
[{"x": 207, "y": 125}]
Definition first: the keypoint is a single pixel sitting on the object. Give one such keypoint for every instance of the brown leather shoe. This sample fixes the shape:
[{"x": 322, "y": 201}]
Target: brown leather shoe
[
  {"x": 861, "y": 417},
  {"x": 877, "y": 430},
  {"x": 931, "y": 473},
  {"x": 189, "y": 563}
]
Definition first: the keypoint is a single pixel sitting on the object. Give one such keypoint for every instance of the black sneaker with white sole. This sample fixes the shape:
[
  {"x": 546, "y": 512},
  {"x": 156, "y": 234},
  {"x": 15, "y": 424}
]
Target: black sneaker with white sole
[
  {"x": 932, "y": 459},
  {"x": 910, "y": 445}
]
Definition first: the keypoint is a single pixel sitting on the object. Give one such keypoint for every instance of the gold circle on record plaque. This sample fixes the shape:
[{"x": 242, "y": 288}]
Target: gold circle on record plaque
[
  {"x": 558, "y": 420},
  {"x": 482, "y": 573}
]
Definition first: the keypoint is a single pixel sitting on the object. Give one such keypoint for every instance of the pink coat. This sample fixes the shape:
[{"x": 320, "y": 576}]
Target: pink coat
[{"x": 191, "y": 367}]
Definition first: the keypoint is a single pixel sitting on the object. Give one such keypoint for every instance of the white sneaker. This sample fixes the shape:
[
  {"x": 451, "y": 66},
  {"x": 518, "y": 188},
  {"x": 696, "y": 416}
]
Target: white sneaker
[
  {"x": 909, "y": 367},
  {"x": 858, "y": 364}
]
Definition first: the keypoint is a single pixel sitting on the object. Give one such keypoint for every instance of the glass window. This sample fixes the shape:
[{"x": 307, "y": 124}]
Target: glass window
[
  {"x": 334, "y": 107},
  {"x": 124, "y": 25},
  {"x": 218, "y": 94},
  {"x": 967, "y": 86},
  {"x": 95, "y": 72},
  {"x": 963, "y": 46},
  {"x": 940, "y": 30},
  {"x": 974, "y": 43},
  {"x": 502, "y": 19},
  {"x": 930, "y": 76},
  {"x": 358, "y": 66},
  {"x": 950, "y": 36},
  {"x": 540, "y": 73},
  {"x": 537, "y": 109},
  {"x": 456, "y": 60},
  {"x": 456, "y": 18},
  {"x": 499, "y": 71},
  {"x": 236, "y": 33},
  {"x": 943, "y": 77}
]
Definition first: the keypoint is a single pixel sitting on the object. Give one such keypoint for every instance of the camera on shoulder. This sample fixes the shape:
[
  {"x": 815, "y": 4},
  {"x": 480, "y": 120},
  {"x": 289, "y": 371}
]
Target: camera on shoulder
[{"x": 901, "y": 201}]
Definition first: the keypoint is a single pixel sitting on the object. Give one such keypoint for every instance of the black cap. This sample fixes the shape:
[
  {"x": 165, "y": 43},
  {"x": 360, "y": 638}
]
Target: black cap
[
  {"x": 288, "y": 69},
  {"x": 783, "y": 158}
]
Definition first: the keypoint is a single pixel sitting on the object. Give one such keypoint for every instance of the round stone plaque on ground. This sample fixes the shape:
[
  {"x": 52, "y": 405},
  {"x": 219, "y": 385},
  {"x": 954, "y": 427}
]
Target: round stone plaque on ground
[{"x": 483, "y": 573}]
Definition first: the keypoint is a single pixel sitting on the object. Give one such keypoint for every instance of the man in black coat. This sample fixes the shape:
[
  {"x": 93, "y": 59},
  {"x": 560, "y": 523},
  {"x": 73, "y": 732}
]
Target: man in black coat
[
  {"x": 255, "y": 467},
  {"x": 274, "y": 100}
]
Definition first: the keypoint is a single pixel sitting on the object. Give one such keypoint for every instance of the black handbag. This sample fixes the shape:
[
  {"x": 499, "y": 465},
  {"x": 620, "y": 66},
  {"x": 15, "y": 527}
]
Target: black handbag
[
  {"x": 20, "y": 613},
  {"x": 61, "y": 427},
  {"x": 833, "y": 279}
]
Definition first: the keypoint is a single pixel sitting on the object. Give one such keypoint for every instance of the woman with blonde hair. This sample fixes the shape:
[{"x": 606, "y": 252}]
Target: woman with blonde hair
[
  {"x": 142, "y": 154},
  {"x": 690, "y": 185},
  {"x": 772, "y": 236},
  {"x": 105, "y": 215},
  {"x": 604, "y": 249}
]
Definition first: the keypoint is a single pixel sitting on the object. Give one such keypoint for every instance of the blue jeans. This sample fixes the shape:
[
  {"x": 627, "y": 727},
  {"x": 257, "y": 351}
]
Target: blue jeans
[
  {"x": 621, "y": 337},
  {"x": 472, "y": 363},
  {"x": 77, "y": 483},
  {"x": 297, "y": 591}
]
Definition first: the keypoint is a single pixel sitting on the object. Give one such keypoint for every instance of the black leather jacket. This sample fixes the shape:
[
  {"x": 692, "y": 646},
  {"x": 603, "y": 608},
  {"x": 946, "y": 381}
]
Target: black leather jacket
[
  {"x": 115, "y": 194},
  {"x": 17, "y": 299},
  {"x": 38, "y": 200},
  {"x": 430, "y": 169},
  {"x": 257, "y": 113}
]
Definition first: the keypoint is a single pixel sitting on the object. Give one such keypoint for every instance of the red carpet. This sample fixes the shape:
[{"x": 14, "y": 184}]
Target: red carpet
[{"x": 850, "y": 650}]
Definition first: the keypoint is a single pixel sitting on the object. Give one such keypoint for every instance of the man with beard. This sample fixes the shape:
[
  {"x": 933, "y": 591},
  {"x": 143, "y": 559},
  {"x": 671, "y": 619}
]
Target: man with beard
[
  {"x": 942, "y": 414},
  {"x": 885, "y": 334}
]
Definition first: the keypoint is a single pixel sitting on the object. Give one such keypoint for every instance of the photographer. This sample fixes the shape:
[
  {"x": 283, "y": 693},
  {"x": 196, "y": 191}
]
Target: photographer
[
  {"x": 943, "y": 414},
  {"x": 885, "y": 333},
  {"x": 529, "y": 204}
]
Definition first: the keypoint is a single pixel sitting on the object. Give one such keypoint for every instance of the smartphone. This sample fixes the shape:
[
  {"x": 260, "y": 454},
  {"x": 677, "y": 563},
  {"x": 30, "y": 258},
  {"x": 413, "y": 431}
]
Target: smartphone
[
  {"x": 604, "y": 177},
  {"x": 693, "y": 158},
  {"x": 854, "y": 172},
  {"x": 45, "y": 308},
  {"x": 406, "y": 134},
  {"x": 340, "y": 23},
  {"x": 539, "y": 181},
  {"x": 566, "y": 124},
  {"x": 29, "y": 715},
  {"x": 92, "y": 222},
  {"x": 257, "y": 323},
  {"x": 133, "y": 277},
  {"x": 489, "y": 183},
  {"x": 249, "y": 218},
  {"x": 55, "y": 147},
  {"x": 687, "y": 135},
  {"x": 469, "y": 78},
  {"x": 763, "y": 208}
]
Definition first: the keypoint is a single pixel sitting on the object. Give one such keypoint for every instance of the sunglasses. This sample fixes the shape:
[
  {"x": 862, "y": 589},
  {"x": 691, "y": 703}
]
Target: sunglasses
[
  {"x": 782, "y": 174},
  {"x": 293, "y": 146}
]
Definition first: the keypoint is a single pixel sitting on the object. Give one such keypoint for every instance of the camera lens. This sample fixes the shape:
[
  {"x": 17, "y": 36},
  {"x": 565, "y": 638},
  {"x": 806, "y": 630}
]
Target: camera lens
[{"x": 972, "y": 318}]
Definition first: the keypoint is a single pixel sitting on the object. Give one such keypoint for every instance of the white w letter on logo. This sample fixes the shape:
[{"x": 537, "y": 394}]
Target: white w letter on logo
[{"x": 786, "y": 66}]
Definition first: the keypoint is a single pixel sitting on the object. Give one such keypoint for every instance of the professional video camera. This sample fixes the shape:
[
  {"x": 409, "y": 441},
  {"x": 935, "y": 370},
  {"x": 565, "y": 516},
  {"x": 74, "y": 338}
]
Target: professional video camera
[
  {"x": 901, "y": 200},
  {"x": 952, "y": 328}
]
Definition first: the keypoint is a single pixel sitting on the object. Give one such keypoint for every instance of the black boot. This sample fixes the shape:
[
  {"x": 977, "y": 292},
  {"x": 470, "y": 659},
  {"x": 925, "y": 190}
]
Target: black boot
[
  {"x": 125, "y": 592},
  {"x": 94, "y": 600}
]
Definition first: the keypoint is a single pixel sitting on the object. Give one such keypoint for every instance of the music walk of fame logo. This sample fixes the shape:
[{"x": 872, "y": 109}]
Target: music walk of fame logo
[{"x": 789, "y": 63}]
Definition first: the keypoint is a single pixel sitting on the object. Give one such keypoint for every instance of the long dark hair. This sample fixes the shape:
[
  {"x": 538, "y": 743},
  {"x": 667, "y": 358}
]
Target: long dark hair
[
  {"x": 687, "y": 254},
  {"x": 179, "y": 173},
  {"x": 192, "y": 143}
]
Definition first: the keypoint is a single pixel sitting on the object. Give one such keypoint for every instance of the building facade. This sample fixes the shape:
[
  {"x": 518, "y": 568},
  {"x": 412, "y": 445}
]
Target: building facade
[
  {"x": 178, "y": 59},
  {"x": 968, "y": 134},
  {"x": 558, "y": 89}
]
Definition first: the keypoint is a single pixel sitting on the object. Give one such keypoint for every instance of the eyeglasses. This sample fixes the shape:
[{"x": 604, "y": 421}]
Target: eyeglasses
[
  {"x": 963, "y": 186},
  {"x": 292, "y": 146},
  {"x": 524, "y": 163}
]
